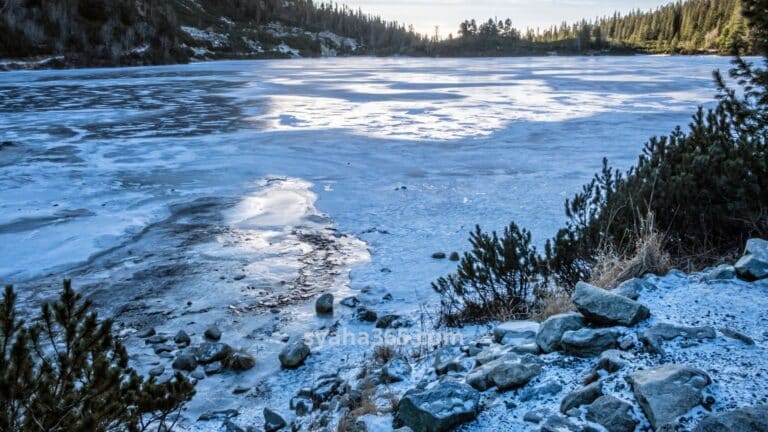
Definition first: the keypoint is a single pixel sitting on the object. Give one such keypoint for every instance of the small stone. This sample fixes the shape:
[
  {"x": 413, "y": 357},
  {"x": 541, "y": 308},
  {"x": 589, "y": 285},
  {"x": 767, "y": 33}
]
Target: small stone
[
  {"x": 212, "y": 333},
  {"x": 156, "y": 339},
  {"x": 613, "y": 360},
  {"x": 391, "y": 322},
  {"x": 733, "y": 334},
  {"x": 213, "y": 368},
  {"x": 351, "y": 302},
  {"x": 438, "y": 255},
  {"x": 161, "y": 348},
  {"x": 614, "y": 414},
  {"x": 324, "y": 304},
  {"x": 365, "y": 314},
  {"x": 536, "y": 415},
  {"x": 146, "y": 333},
  {"x": 387, "y": 297},
  {"x": 239, "y": 277},
  {"x": 273, "y": 421},
  {"x": 583, "y": 396},
  {"x": 548, "y": 388},
  {"x": 182, "y": 338},
  {"x": 185, "y": 361},
  {"x": 198, "y": 375},
  {"x": 156, "y": 371},
  {"x": 240, "y": 390},
  {"x": 294, "y": 354},
  {"x": 588, "y": 342},
  {"x": 454, "y": 256},
  {"x": 240, "y": 361},
  {"x": 654, "y": 335},
  {"x": 302, "y": 405}
]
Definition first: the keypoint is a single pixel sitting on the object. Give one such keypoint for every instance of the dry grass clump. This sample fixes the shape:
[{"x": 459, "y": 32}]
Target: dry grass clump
[
  {"x": 553, "y": 303},
  {"x": 366, "y": 404},
  {"x": 649, "y": 256},
  {"x": 383, "y": 353}
]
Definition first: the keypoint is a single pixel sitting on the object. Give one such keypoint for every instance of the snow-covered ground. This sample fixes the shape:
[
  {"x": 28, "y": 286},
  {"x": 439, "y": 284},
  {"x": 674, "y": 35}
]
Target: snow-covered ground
[{"x": 159, "y": 186}]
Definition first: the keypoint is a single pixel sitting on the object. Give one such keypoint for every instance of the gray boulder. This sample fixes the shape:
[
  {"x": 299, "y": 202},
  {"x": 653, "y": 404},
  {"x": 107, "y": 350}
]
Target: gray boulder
[
  {"x": 450, "y": 359},
  {"x": 273, "y": 421},
  {"x": 653, "y": 336},
  {"x": 612, "y": 413},
  {"x": 552, "y": 329},
  {"x": 668, "y": 391},
  {"x": 749, "y": 419},
  {"x": 719, "y": 273},
  {"x": 525, "y": 330},
  {"x": 294, "y": 354},
  {"x": 492, "y": 353},
  {"x": 209, "y": 352},
  {"x": 754, "y": 264},
  {"x": 606, "y": 308},
  {"x": 439, "y": 408},
  {"x": 613, "y": 360},
  {"x": 397, "y": 369},
  {"x": 520, "y": 336},
  {"x": 185, "y": 360},
  {"x": 589, "y": 342},
  {"x": 509, "y": 371},
  {"x": 511, "y": 374},
  {"x": 632, "y": 288},
  {"x": 541, "y": 391},
  {"x": 583, "y": 396},
  {"x": 324, "y": 304}
]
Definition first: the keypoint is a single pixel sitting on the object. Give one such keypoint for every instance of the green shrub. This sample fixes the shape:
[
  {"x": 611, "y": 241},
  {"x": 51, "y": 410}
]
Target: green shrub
[
  {"x": 706, "y": 189},
  {"x": 65, "y": 371},
  {"x": 496, "y": 280}
]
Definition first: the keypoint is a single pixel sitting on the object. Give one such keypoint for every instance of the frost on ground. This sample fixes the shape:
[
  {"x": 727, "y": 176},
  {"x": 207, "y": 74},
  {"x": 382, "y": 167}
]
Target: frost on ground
[{"x": 234, "y": 193}]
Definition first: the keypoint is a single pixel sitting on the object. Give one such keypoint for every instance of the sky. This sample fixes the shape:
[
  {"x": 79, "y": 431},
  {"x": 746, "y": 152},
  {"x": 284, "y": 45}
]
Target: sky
[{"x": 447, "y": 14}]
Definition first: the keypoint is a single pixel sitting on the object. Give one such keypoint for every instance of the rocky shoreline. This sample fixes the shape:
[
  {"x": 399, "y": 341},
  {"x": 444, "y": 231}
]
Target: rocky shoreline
[{"x": 617, "y": 364}]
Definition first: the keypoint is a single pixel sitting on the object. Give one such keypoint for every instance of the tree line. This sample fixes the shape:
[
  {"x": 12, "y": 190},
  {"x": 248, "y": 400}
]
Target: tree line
[{"x": 685, "y": 27}]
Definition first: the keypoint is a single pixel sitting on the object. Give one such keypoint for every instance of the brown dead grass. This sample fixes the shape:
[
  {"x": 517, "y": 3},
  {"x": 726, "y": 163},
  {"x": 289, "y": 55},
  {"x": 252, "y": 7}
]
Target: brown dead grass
[
  {"x": 649, "y": 257},
  {"x": 367, "y": 405},
  {"x": 553, "y": 303},
  {"x": 383, "y": 353}
]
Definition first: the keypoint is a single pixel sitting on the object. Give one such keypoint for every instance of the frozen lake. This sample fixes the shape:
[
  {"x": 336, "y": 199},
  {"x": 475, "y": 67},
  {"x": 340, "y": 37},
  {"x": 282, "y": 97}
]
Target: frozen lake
[{"x": 241, "y": 187}]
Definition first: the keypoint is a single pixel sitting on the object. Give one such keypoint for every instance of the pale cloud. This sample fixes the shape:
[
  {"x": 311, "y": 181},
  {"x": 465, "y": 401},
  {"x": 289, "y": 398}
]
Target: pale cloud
[{"x": 447, "y": 14}]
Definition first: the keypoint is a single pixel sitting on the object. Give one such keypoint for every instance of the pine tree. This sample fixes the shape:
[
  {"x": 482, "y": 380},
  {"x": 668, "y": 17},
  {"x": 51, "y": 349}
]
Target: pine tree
[{"x": 65, "y": 371}]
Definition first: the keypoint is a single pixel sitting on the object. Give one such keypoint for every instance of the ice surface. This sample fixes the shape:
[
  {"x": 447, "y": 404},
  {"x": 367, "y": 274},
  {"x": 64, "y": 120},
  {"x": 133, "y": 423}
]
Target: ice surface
[{"x": 165, "y": 182}]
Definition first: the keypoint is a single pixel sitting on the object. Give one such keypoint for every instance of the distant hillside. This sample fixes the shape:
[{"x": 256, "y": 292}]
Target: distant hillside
[
  {"x": 693, "y": 26},
  {"x": 135, "y": 32},
  {"x": 77, "y": 33}
]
